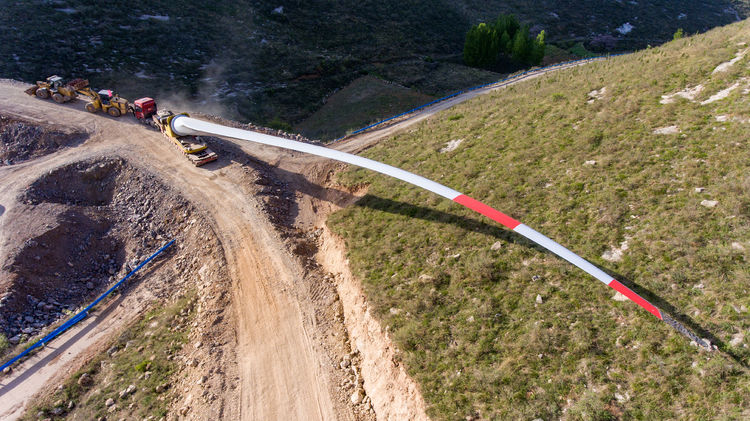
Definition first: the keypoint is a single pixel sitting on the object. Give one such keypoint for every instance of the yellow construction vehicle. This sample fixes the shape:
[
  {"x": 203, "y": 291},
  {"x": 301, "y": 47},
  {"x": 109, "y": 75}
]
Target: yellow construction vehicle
[
  {"x": 55, "y": 88},
  {"x": 105, "y": 100},
  {"x": 196, "y": 151}
]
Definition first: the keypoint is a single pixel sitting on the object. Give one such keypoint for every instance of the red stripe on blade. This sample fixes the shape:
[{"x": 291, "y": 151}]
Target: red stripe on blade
[
  {"x": 622, "y": 289},
  {"x": 487, "y": 211}
]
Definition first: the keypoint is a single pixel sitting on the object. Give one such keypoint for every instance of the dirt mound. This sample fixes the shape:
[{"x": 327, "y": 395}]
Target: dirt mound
[
  {"x": 81, "y": 184},
  {"x": 21, "y": 141},
  {"x": 85, "y": 224},
  {"x": 45, "y": 266}
]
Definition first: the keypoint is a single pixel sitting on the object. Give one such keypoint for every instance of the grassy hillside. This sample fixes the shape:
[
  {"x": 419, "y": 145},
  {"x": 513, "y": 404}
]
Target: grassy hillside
[
  {"x": 266, "y": 60},
  {"x": 361, "y": 102},
  {"x": 493, "y": 327}
]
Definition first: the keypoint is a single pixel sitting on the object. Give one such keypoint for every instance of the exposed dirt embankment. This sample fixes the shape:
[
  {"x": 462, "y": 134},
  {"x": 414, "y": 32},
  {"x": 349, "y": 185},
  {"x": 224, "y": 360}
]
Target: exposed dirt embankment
[
  {"x": 21, "y": 141},
  {"x": 395, "y": 395},
  {"x": 367, "y": 367}
]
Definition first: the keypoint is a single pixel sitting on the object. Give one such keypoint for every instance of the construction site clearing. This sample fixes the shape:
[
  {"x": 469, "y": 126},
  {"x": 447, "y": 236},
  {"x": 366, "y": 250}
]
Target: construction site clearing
[
  {"x": 250, "y": 226},
  {"x": 288, "y": 332}
]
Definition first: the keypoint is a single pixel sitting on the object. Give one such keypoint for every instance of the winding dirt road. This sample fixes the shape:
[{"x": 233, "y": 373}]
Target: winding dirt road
[{"x": 283, "y": 375}]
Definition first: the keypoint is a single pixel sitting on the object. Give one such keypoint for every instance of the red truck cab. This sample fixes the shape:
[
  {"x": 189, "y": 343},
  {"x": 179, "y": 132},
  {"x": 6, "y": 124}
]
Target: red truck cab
[{"x": 144, "y": 108}]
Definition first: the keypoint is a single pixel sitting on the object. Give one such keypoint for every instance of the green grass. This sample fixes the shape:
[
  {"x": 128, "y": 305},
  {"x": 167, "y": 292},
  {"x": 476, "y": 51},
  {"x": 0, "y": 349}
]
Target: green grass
[
  {"x": 554, "y": 54},
  {"x": 435, "y": 78},
  {"x": 579, "y": 50},
  {"x": 142, "y": 357},
  {"x": 364, "y": 101},
  {"x": 465, "y": 317},
  {"x": 4, "y": 344}
]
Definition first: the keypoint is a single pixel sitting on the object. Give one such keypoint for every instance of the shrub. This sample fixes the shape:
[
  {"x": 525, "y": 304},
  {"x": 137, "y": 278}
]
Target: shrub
[{"x": 280, "y": 124}]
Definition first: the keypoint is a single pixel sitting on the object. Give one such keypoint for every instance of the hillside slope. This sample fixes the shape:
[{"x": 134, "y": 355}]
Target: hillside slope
[
  {"x": 266, "y": 60},
  {"x": 637, "y": 163}
]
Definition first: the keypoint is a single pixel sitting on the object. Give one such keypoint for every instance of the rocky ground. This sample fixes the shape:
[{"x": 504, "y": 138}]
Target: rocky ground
[
  {"x": 21, "y": 141},
  {"x": 89, "y": 223},
  {"x": 81, "y": 227}
]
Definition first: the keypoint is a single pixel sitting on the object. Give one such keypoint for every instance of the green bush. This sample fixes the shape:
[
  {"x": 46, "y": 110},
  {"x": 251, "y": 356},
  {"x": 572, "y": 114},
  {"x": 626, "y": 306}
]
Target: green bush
[
  {"x": 280, "y": 124},
  {"x": 142, "y": 366}
]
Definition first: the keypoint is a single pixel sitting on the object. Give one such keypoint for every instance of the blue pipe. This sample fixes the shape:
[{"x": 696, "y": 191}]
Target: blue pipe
[{"x": 81, "y": 314}]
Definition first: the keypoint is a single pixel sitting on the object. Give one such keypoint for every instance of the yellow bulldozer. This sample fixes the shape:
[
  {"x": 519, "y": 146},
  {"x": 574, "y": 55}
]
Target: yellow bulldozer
[
  {"x": 105, "y": 100},
  {"x": 55, "y": 88}
]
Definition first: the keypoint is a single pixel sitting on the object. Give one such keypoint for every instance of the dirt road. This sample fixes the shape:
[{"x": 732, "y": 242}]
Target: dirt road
[{"x": 283, "y": 375}]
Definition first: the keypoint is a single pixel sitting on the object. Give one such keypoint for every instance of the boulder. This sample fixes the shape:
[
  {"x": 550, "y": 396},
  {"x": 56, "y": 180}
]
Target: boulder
[{"x": 356, "y": 397}]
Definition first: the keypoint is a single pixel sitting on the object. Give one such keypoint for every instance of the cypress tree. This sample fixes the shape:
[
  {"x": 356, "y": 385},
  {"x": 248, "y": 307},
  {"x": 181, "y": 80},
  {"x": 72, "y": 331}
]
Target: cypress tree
[
  {"x": 484, "y": 43},
  {"x": 471, "y": 47},
  {"x": 539, "y": 46},
  {"x": 507, "y": 23},
  {"x": 506, "y": 43},
  {"x": 482, "y": 46},
  {"x": 521, "y": 45}
]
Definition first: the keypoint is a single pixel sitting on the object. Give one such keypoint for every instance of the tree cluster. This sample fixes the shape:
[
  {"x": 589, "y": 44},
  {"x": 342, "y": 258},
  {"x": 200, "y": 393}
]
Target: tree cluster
[{"x": 488, "y": 45}]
